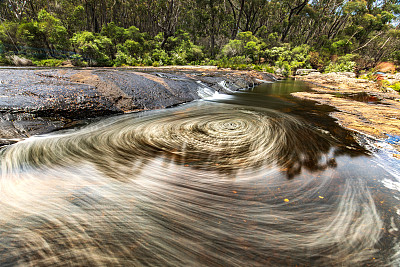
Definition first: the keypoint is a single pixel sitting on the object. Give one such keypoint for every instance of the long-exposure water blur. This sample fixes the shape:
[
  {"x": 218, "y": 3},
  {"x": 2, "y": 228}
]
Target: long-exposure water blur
[{"x": 254, "y": 178}]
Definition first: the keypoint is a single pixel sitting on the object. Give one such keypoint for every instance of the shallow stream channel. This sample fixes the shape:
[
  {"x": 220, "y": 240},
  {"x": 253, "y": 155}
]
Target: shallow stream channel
[{"x": 252, "y": 178}]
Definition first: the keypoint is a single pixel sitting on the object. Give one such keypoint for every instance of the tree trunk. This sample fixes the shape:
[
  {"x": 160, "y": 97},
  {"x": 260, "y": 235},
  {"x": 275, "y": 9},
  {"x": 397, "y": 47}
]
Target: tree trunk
[
  {"x": 239, "y": 17},
  {"x": 212, "y": 28},
  {"x": 293, "y": 11}
]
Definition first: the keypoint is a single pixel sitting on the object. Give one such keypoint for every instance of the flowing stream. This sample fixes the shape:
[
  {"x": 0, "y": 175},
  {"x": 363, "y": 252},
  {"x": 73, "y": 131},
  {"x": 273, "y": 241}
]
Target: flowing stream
[{"x": 255, "y": 178}]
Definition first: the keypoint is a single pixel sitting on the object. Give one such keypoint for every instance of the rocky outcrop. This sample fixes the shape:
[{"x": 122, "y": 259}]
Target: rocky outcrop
[
  {"x": 36, "y": 101},
  {"x": 20, "y": 61},
  {"x": 339, "y": 81},
  {"x": 306, "y": 71},
  {"x": 360, "y": 104}
]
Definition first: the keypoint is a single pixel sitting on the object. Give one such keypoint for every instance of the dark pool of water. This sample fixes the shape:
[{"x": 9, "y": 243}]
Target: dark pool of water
[
  {"x": 362, "y": 97},
  {"x": 255, "y": 178}
]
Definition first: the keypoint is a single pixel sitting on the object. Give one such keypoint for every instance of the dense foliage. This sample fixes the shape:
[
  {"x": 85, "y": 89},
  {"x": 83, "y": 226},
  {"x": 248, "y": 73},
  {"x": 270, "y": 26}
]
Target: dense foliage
[{"x": 284, "y": 35}]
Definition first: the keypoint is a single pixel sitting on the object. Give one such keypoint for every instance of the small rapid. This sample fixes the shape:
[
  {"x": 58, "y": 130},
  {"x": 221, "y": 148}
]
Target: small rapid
[{"x": 203, "y": 184}]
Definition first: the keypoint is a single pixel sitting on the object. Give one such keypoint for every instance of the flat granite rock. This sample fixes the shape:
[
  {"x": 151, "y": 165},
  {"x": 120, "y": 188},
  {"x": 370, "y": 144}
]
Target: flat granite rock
[{"x": 39, "y": 100}]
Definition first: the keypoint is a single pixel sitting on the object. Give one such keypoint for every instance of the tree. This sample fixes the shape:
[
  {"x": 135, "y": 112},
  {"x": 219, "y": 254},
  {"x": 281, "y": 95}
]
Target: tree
[
  {"x": 55, "y": 35},
  {"x": 96, "y": 48}
]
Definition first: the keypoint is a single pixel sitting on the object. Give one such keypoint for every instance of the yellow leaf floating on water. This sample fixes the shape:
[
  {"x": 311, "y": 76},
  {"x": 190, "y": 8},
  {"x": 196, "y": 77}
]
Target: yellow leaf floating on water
[
  {"x": 321, "y": 197},
  {"x": 286, "y": 200}
]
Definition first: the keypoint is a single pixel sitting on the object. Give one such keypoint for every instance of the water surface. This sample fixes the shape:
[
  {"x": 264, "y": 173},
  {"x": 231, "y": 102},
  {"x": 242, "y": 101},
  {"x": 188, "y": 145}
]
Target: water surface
[{"x": 255, "y": 178}]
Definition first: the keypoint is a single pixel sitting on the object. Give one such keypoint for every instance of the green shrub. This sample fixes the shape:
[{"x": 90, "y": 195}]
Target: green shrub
[
  {"x": 52, "y": 30},
  {"x": 177, "y": 50},
  {"x": 317, "y": 61},
  {"x": 193, "y": 52},
  {"x": 114, "y": 33},
  {"x": 131, "y": 48},
  {"x": 76, "y": 20},
  {"x": 272, "y": 55},
  {"x": 210, "y": 62},
  {"x": 395, "y": 86},
  {"x": 175, "y": 42},
  {"x": 264, "y": 67},
  {"x": 30, "y": 34},
  {"x": 96, "y": 47},
  {"x": 122, "y": 59},
  {"x": 130, "y": 41},
  {"x": 233, "y": 49},
  {"x": 4, "y": 61},
  {"x": 285, "y": 67},
  {"x": 246, "y": 45},
  {"x": 77, "y": 60},
  {"x": 8, "y": 32},
  {"x": 370, "y": 75},
  {"x": 178, "y": 58},
  {"x": 270, "y": 39},
  {"x": 343, "y": 64},
  {"x": 146, "y": 60},
  {"x": 238, "y": 62},
  {"x": 341, "y": 47},
  {"x": 161, "y": 56},
  {"x": 52, "y": 62},
  {"x": 288, "y": 59}
]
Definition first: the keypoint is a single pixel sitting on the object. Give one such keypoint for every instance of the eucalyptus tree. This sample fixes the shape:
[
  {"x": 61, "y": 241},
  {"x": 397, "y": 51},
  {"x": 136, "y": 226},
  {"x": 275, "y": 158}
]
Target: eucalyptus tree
[{"x": 14, "y": 9}]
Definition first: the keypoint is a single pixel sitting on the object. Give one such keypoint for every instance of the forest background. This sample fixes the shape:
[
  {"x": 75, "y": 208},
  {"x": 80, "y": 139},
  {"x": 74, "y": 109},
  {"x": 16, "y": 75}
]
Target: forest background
[{"x": 270, "y": 35}]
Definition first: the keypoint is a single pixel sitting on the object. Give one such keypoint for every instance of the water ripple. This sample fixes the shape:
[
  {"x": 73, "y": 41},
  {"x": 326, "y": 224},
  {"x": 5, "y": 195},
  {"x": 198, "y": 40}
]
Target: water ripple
[
  {"x": 224, "y": 138},
  {"x": 199, "y": 185}
]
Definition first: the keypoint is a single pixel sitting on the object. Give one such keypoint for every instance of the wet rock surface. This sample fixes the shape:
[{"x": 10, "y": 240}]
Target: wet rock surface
[
  {"x": 360, "y": 104},
  {"x": 36, "y": 101}
]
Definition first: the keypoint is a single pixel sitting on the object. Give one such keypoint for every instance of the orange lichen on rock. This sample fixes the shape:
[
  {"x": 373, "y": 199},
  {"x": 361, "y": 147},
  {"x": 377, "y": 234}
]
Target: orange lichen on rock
[
  {"x": 375, "y": 118},
  {"x": 386, "y": 67}
]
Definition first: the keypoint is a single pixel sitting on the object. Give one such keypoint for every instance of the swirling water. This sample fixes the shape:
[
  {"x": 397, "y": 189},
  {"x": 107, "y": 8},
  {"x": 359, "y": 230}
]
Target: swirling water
[{"x": 256, "y": 178}]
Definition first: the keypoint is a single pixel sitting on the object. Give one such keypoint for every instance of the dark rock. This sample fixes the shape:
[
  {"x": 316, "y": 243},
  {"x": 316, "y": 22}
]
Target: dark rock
[{"x": 36, "y": 101}]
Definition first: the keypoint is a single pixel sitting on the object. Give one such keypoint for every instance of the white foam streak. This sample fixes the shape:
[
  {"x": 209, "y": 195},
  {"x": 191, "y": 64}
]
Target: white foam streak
[{"x": 201, "y": 186}]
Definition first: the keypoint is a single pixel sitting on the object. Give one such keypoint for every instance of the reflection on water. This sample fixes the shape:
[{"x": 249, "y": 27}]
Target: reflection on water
[
  {"x": 228, "y": 182},
  {"x": 223, "y": 138},
  {"x": 362, "y": 97}
]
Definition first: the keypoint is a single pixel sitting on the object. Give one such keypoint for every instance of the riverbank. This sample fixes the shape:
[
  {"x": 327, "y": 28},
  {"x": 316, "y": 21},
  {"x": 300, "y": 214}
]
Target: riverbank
[
  {"x": 361, "y": 105},
  {"x": 40, "y": 100}
]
